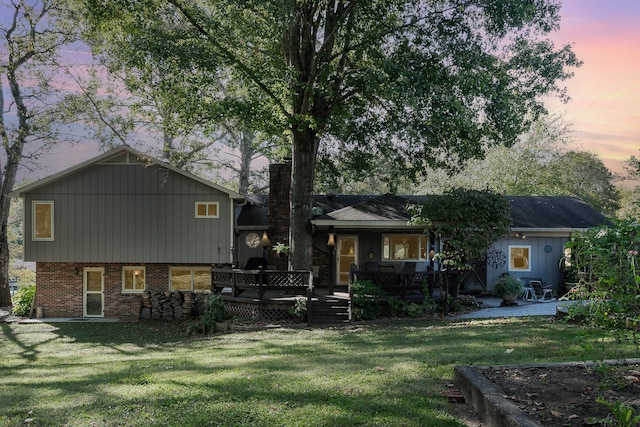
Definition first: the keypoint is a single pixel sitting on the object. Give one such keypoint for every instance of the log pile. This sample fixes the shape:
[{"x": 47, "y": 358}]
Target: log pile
[{"x": 167, "y": 305}]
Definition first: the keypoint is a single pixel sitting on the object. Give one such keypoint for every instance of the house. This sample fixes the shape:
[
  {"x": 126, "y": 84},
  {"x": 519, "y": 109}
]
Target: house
[
  {"x": 371, "y": 232},
  {"x": 106, "y": 231}
]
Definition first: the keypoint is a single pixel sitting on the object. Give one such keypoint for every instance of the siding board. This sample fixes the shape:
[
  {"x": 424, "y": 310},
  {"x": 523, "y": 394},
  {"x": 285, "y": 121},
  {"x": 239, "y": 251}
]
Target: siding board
[{"x": 130, "y": 213}]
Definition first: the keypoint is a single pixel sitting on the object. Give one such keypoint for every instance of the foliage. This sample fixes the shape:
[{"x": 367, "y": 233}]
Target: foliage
[
  {"x": 604, "y": 260},
  {"x": 521, "y": 169},
  {"x": 415, "y": 83},
  {"x": 33, "y": 117},
  {"x": 537, "y": 164},
  {"x": 299, "y": 309},
  {"x": 214, "y": 312},
  {"x": 624, "y": 416},
  {"x": 370, "y": 302},
  {"x": 281, "y": 248},
  {"x": 468, "y": 221},
  {"x": 367, "y": 300},
  {"x": 582, "y": 174},
  {"x": 507, "y": 284},
  {"x": 23, "y": 299}
]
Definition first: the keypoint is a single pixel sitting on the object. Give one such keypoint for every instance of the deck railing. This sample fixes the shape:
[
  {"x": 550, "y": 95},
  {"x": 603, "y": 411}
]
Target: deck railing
[{"x": 261, "y": 280}]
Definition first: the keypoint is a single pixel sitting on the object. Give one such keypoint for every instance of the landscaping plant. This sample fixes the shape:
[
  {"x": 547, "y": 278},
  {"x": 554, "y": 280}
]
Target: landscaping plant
[
  {"x": 603, "y": 260},
  {"x": 23, "y": 299}
]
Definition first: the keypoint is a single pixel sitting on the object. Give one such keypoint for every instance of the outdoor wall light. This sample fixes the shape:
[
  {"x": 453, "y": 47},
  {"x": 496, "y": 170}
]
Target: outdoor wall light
[
  {"x": 371, "y": 253},
  {"x": 264, "y": 241},
  {"x": 332, "y": 239}
]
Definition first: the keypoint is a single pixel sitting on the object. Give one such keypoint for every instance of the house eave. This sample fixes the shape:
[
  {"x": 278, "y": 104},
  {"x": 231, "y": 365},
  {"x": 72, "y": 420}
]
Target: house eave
[
  {"x": 547, "y": 232},
  {"x": 327, "y": 223},
  {"x": 19, "y": 192}
]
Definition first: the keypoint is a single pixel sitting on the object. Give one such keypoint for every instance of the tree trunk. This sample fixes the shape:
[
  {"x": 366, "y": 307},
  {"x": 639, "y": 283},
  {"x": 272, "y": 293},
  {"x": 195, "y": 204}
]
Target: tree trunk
[
  {"x": 8, "y": 181},
  {"x": 246, "y": 154},
  {"x": 305, "y": 147}
]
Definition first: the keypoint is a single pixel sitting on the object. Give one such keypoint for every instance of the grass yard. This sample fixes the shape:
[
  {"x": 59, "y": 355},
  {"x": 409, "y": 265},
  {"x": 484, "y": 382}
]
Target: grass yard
[{"x": 378, "y": 374}]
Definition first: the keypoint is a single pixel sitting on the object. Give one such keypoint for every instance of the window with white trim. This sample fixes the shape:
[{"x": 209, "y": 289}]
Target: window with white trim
[
  {"x": 519, "y": 258},
  {"x": 133, "y": 279},
  {"x": 42, "y": 220},
  {"x": 207, "y": 210},
  {"x": 404, "y": 247},
  {"x": 195, "y": 279}
]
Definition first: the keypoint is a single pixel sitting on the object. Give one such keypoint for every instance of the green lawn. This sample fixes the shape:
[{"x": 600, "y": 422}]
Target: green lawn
[{"x": 378, "y": 374}]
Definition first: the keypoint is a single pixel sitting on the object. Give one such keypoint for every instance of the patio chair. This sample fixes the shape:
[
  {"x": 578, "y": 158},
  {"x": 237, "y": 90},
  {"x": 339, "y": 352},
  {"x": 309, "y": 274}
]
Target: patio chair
[{"x": 541, "y": 292}]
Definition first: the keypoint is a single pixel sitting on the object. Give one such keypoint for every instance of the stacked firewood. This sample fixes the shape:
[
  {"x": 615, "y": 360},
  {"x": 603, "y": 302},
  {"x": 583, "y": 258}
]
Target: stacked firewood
[{"x": 167, "y": 305}]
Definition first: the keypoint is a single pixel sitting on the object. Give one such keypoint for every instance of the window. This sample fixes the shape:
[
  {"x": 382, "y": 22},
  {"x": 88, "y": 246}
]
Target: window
[
  {"x": 196, "y": 279},
  {"x": 207, "y": 209},
  {"x": 519, "y": 258},
  {"x": 133, "y": 279},
  {"x": 405, "y": 247},
  {"x": 42, "y": 220}
]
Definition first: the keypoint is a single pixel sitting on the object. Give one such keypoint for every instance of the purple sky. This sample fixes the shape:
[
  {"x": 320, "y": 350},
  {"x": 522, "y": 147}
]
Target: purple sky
[{"x": 605, "y": 92}]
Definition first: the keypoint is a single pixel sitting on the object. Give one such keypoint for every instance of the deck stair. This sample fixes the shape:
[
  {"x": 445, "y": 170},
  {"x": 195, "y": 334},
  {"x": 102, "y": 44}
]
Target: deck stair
[{"x": 329, "y": 309}]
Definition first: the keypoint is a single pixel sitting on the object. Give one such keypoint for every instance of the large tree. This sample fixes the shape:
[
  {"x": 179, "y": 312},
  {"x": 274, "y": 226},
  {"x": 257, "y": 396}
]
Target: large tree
[
  {"x": 31, "y": 34},
  {"x": 538, "y": 164},
  {"x": 413, "y": 83}
]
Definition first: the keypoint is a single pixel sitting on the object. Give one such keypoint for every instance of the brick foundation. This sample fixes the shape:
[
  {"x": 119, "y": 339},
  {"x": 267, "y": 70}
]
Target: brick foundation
[{"x": 59, "y": 289}]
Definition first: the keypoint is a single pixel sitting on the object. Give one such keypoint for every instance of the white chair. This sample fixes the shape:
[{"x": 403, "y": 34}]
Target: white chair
[{"x": 541, "y": 292}]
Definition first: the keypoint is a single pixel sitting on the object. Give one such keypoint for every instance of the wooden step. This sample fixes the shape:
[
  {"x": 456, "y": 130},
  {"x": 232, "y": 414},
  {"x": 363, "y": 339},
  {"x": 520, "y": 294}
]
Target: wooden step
[{"x": 329, "y": 310}]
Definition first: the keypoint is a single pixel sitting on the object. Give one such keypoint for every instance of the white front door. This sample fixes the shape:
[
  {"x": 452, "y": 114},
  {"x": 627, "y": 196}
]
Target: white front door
[
  {"x": 93, "y": 281},
  {"x": 346, "y": 255}
]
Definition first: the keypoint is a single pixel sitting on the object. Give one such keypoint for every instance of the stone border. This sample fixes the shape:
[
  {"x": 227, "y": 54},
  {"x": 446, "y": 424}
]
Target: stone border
[{"x": 486, "y": 398}]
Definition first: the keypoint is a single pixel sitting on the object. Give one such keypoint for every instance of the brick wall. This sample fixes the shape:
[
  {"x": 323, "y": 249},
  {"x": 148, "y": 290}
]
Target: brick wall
[
  {"x": 279, "y": 189},
  {"x": 59, "y": 289}
]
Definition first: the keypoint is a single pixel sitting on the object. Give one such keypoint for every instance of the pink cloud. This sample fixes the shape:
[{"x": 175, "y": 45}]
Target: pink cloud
[{"x": 605, "y": 91}]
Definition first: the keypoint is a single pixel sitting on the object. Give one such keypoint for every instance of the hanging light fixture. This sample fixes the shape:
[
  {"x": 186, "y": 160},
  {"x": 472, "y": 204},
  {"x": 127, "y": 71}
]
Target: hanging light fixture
[
  {"x": 332, "y": 240},
  {"x": 264, "y": 241}
]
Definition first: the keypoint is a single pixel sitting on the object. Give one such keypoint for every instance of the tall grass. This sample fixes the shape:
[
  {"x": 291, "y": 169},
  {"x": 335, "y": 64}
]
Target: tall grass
[{"x": 376, "y": 374}]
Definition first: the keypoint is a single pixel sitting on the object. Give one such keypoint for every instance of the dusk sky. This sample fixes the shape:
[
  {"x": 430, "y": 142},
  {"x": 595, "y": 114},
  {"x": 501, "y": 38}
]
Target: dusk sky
[{"x": 605, "y": 91}]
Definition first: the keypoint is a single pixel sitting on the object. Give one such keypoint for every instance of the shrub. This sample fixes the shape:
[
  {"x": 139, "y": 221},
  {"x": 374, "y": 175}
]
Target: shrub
[
  {"x": 214, "y": 311},
  {"x": 367, "y": 300},
  {"x": 507, "y": 285},
  {"x": 604, "y": 262},
  {"x": 299, "y": 309},
  {"x": 22, "y": 300}
]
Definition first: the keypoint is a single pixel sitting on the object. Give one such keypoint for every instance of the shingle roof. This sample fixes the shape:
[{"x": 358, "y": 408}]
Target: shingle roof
[
  {"x": 532, "y": 212},
  {"x": 553, "y": 212}
]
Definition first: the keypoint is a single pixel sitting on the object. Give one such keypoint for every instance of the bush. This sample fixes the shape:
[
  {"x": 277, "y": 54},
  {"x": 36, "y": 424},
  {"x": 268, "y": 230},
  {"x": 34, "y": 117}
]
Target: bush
[
  {"x": 22, "y": 300},
  {"x": 299, "y": 309},
  {"x": 214, "y": 311},
  {"x": 604, "y": 260},
  {"x": 507, "y": 285},
  {"x": 367, "y": 300}
]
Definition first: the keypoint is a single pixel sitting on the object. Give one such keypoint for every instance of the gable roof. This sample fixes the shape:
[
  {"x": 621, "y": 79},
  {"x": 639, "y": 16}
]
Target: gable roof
[
  {"x": 121, "y": 154},
  {"x": 559, "y": 213}
]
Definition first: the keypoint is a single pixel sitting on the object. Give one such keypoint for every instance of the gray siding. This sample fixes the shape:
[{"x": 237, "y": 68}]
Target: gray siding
[
  {"x": 544, "y": 265},
  {"x": 130, "y": 213}
]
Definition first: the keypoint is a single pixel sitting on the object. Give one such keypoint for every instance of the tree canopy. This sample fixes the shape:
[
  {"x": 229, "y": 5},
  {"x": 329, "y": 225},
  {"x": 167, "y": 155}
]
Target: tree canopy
[
  {"x": 32, "y": 117},
  {"x": 537, "y": 164},
  {"x": 413, "y": 83}
]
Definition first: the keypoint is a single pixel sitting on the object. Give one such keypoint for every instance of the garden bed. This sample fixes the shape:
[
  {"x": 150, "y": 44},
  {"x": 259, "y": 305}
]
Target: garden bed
[{"x": 565, "y": 394}]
